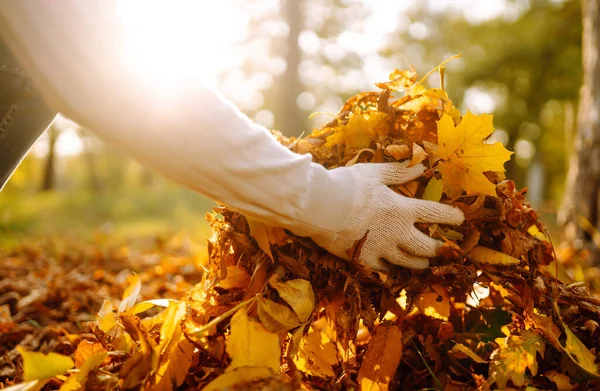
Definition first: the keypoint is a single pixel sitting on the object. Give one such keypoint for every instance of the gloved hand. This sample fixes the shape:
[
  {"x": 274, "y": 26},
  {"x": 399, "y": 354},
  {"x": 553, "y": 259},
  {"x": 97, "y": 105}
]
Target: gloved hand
[{"x": 389, "y": 217}]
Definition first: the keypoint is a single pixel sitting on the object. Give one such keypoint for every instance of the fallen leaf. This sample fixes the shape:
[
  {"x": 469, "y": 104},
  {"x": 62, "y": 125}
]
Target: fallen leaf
[
  {"x": 27, "y": 386},
  {"x": 276, "y": 317},
  {"x": 298, "y": 294},
  {"x": 85, "y": 350},
  {"x": 39, "y": 366},
  {"x": 579, "y": 353},
  {"x": 514, "y": 355},
  {"x": 398, "y": 152},
  {"x": 433, "y": 190},
  {"x": 382, "y": 358},
  {"x": 486, "y": 255},
  {"x": 465, "y": 156},
  {"x": 435, "y": 304},
  {"x": 240, "y": 378},
  {"x": 317, "y": 355},
  {"x": 461, "y": 350},
  {"x": 237, "y": 278},
  {"x": 258, "y": 231},
  {"x": 360, "y": 131},
  {"x": 251, "y": 345},
  {"x": 131, "y": 294},
  {"x": 418, "y": 155},
  {"x": 106, "y": 317},
  {"x": 77, "y": 380}
]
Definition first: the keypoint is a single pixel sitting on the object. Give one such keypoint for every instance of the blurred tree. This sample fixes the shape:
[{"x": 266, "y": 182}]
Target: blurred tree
[
  {"x": 526, "y": 59},
  {"x": 49, "y": 176},
  {"x": 581, "y": 207},
  {"x": 90, "y": 161},
  {"x": 288, "y": 116}
]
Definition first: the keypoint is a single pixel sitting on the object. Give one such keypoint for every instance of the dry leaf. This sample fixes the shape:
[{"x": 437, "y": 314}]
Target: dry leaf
[
  {"x": 433, "y": 191},
  {"x": 85, "y": 350},
  {"x": 462, "y": 351},
  {"x": 237, "y": 277},
  {"x": 435, "y": 304},
  {"x": 240, "y": 378},
  {"x": 39, "y": 366},
  {"x": 465, "y": 156},
  {"x": 418, "y": 155},
  {"x": 251, "y": 345},
  {"x": 317, "y": 355},
  {"x": 276, "y": 318},
  {"x": 515, "y": 354},
  {"x": 131, "y": 294},
  {"x": 259, "y": 232},
  {"x": 383, "y": 356},
  {"x": 77, "y": 381},
  {"x": 483, "y": 254},
  {"x": 398, "y": 152},
  {"x": 298, "y": 294},
  {"x": 579, "y": 353}
]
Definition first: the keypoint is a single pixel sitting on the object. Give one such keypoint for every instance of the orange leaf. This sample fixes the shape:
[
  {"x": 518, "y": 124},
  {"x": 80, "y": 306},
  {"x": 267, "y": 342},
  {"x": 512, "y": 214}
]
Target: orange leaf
[{"x": 382, "y": 358}]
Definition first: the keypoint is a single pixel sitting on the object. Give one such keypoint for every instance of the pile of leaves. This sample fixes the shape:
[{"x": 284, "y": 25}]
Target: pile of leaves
[{"x": 273, "y": 311}]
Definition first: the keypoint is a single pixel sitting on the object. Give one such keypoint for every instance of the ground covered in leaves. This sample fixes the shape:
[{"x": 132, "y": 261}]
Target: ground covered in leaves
[{"x": 267, "y": 310}]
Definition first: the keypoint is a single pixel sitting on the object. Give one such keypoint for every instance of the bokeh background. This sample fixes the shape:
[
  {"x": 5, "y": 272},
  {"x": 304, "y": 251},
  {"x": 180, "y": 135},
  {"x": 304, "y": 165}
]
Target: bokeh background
[{"x": 282, "y": 60}]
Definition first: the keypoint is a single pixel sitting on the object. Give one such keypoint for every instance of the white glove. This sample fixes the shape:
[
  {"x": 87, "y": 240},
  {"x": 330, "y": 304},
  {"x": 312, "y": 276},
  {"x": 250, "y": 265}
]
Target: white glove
[{"x": 388, "y": 217}]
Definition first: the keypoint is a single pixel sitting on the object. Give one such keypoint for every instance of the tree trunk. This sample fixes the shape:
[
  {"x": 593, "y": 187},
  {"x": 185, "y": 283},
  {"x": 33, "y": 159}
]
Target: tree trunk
[
  {"x": 49, "y": 177},
  {"x": 580, "y": 211},
  {"x": 289, "y": 116},
  {"x": 90, "y": 161}
]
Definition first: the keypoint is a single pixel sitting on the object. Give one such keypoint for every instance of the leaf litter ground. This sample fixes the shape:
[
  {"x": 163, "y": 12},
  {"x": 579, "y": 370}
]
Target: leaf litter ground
[{"x": 268, "y": 310}]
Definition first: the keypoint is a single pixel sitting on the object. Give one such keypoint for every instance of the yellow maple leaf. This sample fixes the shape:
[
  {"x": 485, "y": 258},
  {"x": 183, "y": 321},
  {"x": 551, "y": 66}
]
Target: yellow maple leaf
[
  {"x": 360, "y": 131},
  {"x": 465, "y": 156},
  {"x": 515, "y": 354}
]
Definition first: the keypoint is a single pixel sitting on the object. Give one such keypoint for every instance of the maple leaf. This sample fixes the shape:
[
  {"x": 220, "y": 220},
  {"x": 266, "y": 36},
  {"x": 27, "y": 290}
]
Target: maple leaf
[
  {"x": 360, "y": 131},
  {"x": 515, "y": 354},
  {"x": 382, "y": 359},
  {"x": 317, "y": 355},
  {"x": 465, "y": 156}
]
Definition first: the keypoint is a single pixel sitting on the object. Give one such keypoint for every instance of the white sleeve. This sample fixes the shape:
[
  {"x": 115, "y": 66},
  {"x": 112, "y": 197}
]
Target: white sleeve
[{"x": 73, "y": 51}]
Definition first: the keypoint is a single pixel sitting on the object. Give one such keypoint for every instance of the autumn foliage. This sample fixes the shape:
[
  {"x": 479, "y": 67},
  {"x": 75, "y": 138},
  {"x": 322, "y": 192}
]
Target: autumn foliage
[{"x": 273, "y": 311}]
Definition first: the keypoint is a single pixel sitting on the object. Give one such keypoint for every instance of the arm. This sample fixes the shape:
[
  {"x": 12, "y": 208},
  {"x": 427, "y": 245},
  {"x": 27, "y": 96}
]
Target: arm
[{"x": 74, "y": 52}]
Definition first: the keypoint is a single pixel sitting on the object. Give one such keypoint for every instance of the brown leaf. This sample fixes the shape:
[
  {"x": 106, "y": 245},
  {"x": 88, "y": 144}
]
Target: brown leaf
[
  {"x": 85, "y": 349},
  {"x": 418, "y": 155},
  {"x": 276, "y": 317},
  {"x": 398, "y": 152},
  {"x": 383, "y": 356}
]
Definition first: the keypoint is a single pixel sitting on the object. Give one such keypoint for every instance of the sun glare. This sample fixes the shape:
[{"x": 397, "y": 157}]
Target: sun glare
[{"x": 172, "y": 42}]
